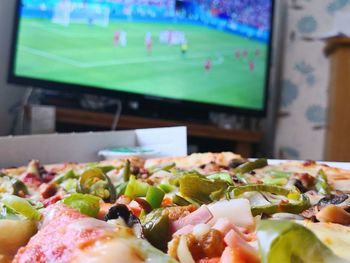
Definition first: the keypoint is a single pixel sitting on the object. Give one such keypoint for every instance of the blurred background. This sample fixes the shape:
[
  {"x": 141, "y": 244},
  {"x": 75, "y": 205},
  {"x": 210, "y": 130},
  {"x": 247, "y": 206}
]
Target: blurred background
[{"x": 259, "y": 77}]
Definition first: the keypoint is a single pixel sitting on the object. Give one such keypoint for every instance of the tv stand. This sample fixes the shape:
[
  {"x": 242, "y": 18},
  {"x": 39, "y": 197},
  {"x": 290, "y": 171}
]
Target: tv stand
[{"x": 242, "y": 141}]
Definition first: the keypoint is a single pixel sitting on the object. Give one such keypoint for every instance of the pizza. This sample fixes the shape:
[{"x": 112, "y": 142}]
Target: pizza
[{"x": 202, "y": 208}]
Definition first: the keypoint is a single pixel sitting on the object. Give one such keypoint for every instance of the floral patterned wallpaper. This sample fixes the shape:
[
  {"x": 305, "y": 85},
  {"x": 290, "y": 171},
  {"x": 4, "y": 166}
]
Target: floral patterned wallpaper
[{"x": 302, "y": 115}]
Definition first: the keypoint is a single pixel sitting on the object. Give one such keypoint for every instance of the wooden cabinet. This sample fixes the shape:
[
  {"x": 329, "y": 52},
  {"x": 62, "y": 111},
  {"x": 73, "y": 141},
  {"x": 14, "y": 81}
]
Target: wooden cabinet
[
  {"x": 337, "y": 145},
  {"x": 242, "y": 140}
]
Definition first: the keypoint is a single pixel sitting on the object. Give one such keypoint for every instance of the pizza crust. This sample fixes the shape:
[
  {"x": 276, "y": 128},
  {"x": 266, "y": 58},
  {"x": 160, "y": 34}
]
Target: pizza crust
[{"x": 195, "y": 160}]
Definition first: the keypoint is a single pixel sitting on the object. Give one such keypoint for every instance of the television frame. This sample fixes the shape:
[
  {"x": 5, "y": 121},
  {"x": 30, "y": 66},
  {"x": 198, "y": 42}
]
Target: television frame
[{"x": 71, "y": 88}]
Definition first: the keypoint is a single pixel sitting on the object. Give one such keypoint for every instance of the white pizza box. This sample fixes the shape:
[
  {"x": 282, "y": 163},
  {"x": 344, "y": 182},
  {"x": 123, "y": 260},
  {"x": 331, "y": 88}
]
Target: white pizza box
[{"x": 84, "y": 147}]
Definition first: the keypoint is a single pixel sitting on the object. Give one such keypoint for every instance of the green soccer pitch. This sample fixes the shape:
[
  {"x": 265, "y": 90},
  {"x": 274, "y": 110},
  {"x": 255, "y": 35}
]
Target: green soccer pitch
[{"x": 86, "y": 54}]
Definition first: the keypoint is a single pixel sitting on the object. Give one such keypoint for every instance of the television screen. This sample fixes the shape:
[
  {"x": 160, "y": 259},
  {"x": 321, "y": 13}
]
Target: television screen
[{"x": 213, "y": 52}]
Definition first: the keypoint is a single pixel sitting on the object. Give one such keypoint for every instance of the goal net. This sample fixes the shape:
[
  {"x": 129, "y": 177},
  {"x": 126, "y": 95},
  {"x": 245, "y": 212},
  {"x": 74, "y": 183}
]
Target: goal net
[{"x": 67, "y": 12}]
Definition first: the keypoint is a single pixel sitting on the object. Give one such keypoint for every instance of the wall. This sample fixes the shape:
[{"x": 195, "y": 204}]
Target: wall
[
  {"x": 10, "y": 96},
  {"x": 303, "y": 108}
]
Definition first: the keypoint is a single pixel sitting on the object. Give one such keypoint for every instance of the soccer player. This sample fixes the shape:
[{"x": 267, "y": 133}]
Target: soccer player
[
  {"x": 148, "y": 42},
  {"x": 122, "y": 38},
  {"x": 184, "y": 45},
  {"x": 257, "y": 52},
  {"x": 238, "y": 54},
  {"x": 245, "y": 53},
  {"x": 207, "y": 65},
  {"x": 251, "y": 66},
  {"x": 170, "y": 37},
  {"x": 116, "y": 38}
]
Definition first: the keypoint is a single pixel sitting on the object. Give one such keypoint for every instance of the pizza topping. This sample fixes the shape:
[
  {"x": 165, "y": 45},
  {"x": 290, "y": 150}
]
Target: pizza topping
[
  {"x": 183, "y": 252},
  {"x": 94, "y": 181},
  {"x": 156, "y": 226},
  {"x": 121, "y": 212},
  {"x": 65, "y": 176},
  {"x": 163, "y": 167},
  {"x": 250, "y": 166},
  {"x": 201, "y": 189},
  {"x": 177, "y": 212},
  {"x": 235, "y": 163},
  {"x": 208, "y": 245},
  {"x": 31, "y": 179},
  {"x": 84, "y": 203},
  {"x": 334, "y": 214},
  {"x": 237, "y": 211},
  {"x": 52, "y": 200},
  {"x": 201, "y": 215},
  {"x": 136, "y": 188},
  {"x": 154, "y": 196},
  {"x": 321, "y": 184},
  {"x": 221, "y": 176},
  {"x": 238, "y": 250},
  {"x": 20, "y": 206},
  {"x": 306, "y": 179},
  {"x": 333, "y": 199},
  {"x": 48, "y": 190},
  {"x": 126, "y": 171},
  {"x": 286, "y": 241},
  {"x": 12, "y": 185}
]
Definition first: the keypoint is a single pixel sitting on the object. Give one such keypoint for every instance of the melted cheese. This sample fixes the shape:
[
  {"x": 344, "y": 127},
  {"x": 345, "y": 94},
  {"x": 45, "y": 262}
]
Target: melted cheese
[
  {"x": 116, "y": 250},
  {"x": 335, "y": 236}
]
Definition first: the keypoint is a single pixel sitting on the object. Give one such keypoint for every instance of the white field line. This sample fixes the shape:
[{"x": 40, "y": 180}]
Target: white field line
[
  {"x": 149, "y": 59},
  {"x": 105, "y": 63},
  {"x": 51, "y": 56},
  {"x": 63, "y": 31}
]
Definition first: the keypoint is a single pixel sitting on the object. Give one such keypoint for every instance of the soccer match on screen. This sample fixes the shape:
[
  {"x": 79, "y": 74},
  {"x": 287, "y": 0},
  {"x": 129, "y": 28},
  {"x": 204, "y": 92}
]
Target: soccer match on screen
[{"x": 211, "y": 51}]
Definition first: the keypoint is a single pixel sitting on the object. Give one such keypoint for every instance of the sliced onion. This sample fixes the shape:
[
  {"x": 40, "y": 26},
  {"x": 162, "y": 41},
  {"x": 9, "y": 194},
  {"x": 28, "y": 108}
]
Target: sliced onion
[
  {"x": 183, "y": 253},
  {"x": 236, "y": 210},
  {"x": 200, "y": 230}
]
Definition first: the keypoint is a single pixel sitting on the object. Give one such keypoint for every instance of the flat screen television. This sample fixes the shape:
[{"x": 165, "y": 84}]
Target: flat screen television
[{"x": 204, "y": 54}]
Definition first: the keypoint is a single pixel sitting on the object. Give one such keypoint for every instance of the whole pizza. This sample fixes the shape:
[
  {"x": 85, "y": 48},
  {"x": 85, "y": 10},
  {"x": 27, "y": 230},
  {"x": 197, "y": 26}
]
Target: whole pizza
[{"x": 203, "y": 208}]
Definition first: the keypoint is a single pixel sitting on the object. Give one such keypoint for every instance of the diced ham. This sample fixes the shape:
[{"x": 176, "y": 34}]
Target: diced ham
[
  {"x": 238, "y": 250},
  {"x": 31, "y": 179},
  {"x": 104, "y": 208},
  {"x": 224, "y": 226},
  {"x": 201, "y": 215},
  {"x": 183, "y": 231},
  {"x": 51, "y": 200},
  {"x": 47, "y": 190},
  {"x": 209, "y": 260}
]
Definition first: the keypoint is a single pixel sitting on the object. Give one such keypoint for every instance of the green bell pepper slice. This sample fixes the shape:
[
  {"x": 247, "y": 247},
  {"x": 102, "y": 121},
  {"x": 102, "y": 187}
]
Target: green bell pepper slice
[
  {"x": 154, "y": 196},
  {"x": 136, "y": 188},
  {"x": 20, "y": 206},
  {"x": 221, "y": 176},
  {"x": 94, "y": 181},
  {"x": 156, "y": 229},
  {"x": 126, "y": 171},
  {"x": 165, "y": 167},
  {"x": 301, "y": 202},
  {"x": 289, "y": 242},
  {"x": 200, "y": 189},
  {"x": 250, "y": 166},
  {"x": 84, "y": 203},
  {"x": 321, "y": 183}
]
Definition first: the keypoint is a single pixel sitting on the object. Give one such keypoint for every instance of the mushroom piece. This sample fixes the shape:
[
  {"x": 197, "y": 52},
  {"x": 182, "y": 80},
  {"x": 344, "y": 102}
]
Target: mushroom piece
[{"x": 334, "y": 214}]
